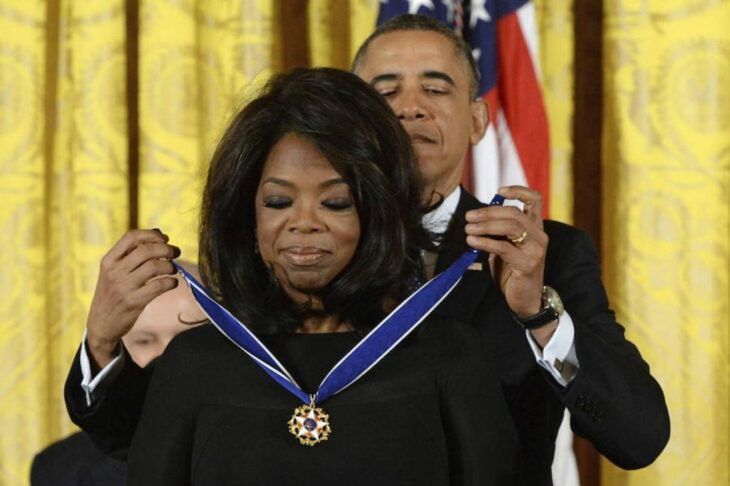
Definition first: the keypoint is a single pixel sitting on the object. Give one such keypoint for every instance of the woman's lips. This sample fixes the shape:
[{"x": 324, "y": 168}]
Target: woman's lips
[{"x": 304, "y": 256}]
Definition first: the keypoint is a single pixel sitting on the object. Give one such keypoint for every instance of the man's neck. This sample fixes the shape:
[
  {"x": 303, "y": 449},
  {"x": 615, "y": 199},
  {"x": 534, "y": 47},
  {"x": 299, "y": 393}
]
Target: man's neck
[
  {"x": 439, "y": 192},
  {"x": 437, "y": 220}
]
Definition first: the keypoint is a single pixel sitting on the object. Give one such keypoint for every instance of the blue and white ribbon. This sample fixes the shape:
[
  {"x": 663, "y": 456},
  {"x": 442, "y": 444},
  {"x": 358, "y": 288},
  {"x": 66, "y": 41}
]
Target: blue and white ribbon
[
  {"x": 380, "y": 341},
  {"x": 366, "y": 354}
]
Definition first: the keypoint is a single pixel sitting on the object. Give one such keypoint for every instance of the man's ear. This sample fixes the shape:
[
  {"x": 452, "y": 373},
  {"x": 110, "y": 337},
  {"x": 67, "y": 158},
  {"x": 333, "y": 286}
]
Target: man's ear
[{"x": 479, "y": 120}]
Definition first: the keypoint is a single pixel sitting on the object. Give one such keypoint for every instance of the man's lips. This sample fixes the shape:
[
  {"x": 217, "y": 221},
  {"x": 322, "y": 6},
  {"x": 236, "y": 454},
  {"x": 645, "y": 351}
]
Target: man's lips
[
  {"x": 304, "y": 255},
  {"x": 421, "y": 138}
]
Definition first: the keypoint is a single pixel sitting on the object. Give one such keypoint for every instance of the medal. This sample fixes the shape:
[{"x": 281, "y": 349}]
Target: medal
[{"x": 309, "y": 423}]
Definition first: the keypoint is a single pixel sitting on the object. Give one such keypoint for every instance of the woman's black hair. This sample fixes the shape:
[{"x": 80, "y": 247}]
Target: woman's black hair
[{"x": 355, "y": 129}]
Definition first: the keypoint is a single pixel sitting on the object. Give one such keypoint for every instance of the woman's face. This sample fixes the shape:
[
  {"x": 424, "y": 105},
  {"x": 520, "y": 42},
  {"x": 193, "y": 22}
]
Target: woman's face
[{"x": 307, "y": 225}]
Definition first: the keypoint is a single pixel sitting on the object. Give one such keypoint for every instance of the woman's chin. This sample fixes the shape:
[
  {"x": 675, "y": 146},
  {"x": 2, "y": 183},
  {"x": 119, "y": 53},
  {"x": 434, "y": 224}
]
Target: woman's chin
[
  {"x": 305, "y": 281},
  {"x": 304, "y": 290}
]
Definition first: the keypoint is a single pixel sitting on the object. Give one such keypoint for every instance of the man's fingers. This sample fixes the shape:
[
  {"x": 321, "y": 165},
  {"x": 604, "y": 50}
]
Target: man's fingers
[
  {"x": 494, "y": 212},
  {"x": 131, "y": 240},
  {"x": 118, "y": 274},
  {"x": 148, "y": 252},
  {"x": 525, "y": 258},
  {"x": 152, "y": 269},
  {"x": 524, "y": 194},
  {"x": 506, "y": 228},
  {"x": 531, "y": 245},
  {"x": 154, "y": 288},
  {"x": 531, "y": 199},
  {"x": 506, "y": 222}
]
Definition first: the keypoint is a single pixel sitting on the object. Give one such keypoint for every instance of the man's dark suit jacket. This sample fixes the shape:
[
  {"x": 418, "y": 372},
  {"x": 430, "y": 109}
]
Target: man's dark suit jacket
[
  {"x": 75, "y": 461},
  {"x": 613, "y": 400}
]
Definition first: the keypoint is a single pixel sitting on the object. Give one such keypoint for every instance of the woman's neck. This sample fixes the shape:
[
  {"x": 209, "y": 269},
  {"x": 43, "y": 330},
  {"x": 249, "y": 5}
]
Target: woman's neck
[{"x": 320, "y": 325}]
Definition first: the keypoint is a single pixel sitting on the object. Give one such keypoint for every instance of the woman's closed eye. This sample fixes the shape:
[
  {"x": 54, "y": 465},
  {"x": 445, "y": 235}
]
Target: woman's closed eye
[
  {"x": 277, "y": 202},
  {"x": 338, "y": 203}
]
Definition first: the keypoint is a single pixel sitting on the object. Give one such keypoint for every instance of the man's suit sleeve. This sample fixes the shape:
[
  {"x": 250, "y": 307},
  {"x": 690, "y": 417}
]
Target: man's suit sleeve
[
  {"x": 613, "y": 400},
  {"x": 111, "y": 421},
  {"x": 40, "y": 475}
]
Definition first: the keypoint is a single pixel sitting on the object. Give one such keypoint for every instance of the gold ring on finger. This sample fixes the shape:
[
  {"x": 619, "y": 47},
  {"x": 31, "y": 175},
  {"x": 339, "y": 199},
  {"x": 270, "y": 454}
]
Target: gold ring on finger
[{"x": 520, "y": 239}]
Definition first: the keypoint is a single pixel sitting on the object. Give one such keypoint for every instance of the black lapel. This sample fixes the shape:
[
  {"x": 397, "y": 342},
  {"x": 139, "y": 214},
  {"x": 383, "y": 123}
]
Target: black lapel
[{"x": 463, "y": 301}]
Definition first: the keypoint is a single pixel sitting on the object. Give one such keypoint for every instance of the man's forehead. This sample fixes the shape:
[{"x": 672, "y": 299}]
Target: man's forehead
[{"x": 417, "y": 52}]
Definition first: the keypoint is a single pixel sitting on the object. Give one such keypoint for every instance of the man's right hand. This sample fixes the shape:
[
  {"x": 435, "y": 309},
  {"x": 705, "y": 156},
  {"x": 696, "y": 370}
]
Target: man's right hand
[{"x": 136, "y": 270}]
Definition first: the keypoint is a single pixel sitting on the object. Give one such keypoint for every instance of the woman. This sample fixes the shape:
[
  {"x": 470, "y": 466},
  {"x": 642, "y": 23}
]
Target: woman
[{"x": 310, "y": 234}]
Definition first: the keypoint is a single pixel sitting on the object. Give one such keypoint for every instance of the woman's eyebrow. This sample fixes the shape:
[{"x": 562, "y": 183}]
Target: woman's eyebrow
[
  {"x": 276, "y": 180},
  {"x": 332, "y": 182}
]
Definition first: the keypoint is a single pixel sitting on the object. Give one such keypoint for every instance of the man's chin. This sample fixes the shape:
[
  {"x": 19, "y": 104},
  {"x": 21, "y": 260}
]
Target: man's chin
[
  {"x": 431, "y": 175},
  {"x": 425, "y": 149}
]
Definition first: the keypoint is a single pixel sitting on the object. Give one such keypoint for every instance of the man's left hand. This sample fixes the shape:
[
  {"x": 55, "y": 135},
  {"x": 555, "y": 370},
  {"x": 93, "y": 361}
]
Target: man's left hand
[{"x": 517, "y": 246}]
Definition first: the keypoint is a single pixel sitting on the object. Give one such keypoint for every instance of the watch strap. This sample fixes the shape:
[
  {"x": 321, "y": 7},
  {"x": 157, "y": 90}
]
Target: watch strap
[
  {"x": 542, "y": 318},
  {"x": 552, "y": 307}
]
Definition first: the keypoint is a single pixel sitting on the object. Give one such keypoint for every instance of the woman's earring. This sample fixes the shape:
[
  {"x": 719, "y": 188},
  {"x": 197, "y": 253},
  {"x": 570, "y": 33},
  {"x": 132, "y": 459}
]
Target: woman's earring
[{"x": 255, "y": 242}]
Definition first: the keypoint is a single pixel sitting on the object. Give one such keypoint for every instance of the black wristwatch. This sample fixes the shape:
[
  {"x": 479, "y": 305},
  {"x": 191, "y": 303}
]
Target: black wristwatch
[{"x": 552, "y": 309}]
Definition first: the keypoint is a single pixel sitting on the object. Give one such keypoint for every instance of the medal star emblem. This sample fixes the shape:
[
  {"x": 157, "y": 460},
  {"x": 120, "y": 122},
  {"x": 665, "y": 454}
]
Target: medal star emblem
[{"x": 310, "y": 425}]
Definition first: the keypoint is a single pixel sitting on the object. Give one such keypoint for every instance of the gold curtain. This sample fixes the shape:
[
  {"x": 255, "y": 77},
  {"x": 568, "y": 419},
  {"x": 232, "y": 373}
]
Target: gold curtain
[
  {"x": 198, "y": 60},
  {"x": 555, "y": 32},
  {"x": 72, "y": 180},
  {"x": 64, "y": 200},
  {"x": 666, "y": 218},
  {"x": 337, "y": 28},
  {"x": 83, "y": 157}
]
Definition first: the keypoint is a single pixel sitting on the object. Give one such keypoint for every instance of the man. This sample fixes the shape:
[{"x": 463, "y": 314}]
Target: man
[
  {"x": 74, "y": 460},
  {"x": 578, "y": 358}
]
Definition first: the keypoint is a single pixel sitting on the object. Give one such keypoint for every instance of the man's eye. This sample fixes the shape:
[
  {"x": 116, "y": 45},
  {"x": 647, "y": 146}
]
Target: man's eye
[
  {"x": 436, "y": 90},
  {"x": 337, "y": 204},
  {"x": 277, "y": 202},
  {"x": 387, "y": 91}
]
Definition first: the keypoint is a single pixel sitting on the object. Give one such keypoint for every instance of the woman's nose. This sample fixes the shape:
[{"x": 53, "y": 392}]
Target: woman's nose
[{"x": 305, "y": 219}]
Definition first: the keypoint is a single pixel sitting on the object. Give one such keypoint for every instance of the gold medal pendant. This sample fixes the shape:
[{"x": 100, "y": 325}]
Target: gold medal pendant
[{"x": 310, "y": 424}]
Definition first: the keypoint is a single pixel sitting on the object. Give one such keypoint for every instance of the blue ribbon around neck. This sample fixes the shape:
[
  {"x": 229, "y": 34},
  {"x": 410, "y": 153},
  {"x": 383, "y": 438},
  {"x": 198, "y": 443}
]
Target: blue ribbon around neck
[
  {"x": 382, "y": 339},
  {"x": 366, "y": 354}
]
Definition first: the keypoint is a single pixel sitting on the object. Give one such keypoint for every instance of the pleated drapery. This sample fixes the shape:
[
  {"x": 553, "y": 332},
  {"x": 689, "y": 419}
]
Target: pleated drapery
[
  {"x": 109, "y": 112},
  {"x": 666, "y": 219}
]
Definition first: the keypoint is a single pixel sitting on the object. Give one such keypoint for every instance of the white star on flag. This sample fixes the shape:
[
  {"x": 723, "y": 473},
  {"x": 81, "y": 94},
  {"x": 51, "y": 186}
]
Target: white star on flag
[
  {"x": 478, "y": 12},
  {"x": 449, "y": 4},
  {"x": 414, "y": 5}
]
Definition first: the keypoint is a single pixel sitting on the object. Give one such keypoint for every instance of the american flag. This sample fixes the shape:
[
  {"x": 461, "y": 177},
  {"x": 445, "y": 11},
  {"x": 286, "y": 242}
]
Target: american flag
[{"x": 503, "y": 38}]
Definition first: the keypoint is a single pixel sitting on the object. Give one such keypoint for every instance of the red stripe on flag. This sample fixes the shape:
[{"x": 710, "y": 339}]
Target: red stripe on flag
[{"x": 519, "y": 92}]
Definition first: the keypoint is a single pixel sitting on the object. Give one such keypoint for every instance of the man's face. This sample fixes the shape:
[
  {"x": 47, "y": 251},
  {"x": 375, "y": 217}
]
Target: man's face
[{"x": 426, "y": 83}]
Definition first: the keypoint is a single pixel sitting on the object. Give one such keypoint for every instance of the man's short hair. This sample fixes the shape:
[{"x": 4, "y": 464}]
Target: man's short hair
[{"x": 421, "y": 22}]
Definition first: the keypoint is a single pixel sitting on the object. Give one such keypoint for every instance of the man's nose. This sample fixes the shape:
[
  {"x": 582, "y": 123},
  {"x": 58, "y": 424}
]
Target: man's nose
[{"x": 410, "y": 106}]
